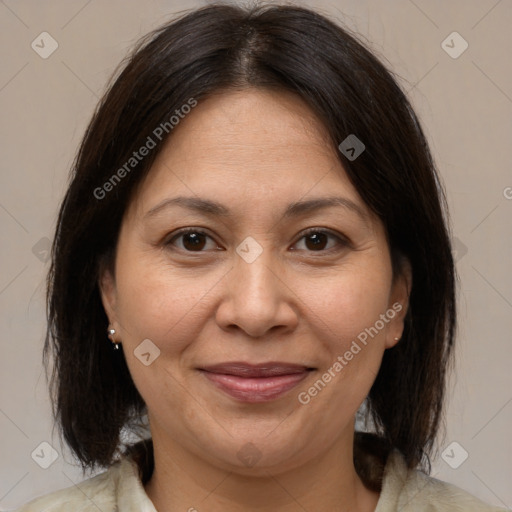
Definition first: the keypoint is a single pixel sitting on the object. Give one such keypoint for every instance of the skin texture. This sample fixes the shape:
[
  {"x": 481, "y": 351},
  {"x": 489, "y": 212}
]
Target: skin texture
[{"x": 255, "y": 152}]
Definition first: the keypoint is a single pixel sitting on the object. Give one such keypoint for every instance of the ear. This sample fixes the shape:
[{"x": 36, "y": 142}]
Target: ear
[
  {"x": 399, "y": 303},
  {"x": 108, "y": 292}
]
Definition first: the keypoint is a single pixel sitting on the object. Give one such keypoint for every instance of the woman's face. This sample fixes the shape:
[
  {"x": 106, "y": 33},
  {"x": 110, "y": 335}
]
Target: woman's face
[{"x": 248, "y": 285}]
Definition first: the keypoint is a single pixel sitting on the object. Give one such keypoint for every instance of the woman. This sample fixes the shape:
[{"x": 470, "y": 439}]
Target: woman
[{"x": 256, "y": 224}]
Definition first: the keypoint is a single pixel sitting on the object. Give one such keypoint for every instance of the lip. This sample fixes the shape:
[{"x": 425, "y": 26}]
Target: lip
[
  {"x": 243, "y": 369},
  {"x": 255, "y": 382}
]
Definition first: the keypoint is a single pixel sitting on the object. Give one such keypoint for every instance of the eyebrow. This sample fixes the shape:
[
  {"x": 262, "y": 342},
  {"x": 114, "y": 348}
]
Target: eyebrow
[{"x": 215, "y": 209}]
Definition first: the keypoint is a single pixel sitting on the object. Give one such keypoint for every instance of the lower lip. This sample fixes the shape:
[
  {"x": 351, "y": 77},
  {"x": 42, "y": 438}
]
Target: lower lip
[{"x": 262, "y": 389}]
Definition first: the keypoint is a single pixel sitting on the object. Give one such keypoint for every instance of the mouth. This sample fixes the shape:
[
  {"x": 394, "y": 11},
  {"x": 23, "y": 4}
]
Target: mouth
[{"x": 255, "y": 383}]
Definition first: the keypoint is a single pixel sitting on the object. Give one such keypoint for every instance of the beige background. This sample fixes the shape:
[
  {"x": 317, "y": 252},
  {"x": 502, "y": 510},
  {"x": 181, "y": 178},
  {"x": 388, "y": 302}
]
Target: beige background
[{"x": 466, "y": 108}]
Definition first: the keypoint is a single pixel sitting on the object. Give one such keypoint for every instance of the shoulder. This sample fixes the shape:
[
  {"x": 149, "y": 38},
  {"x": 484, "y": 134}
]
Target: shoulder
[
  {"x": 97, "y": 493},
  {"x": 412, "y": 490}
]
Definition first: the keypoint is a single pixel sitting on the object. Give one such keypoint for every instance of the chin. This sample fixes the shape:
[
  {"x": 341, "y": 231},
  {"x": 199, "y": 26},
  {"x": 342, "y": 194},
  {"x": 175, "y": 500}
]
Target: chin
[{"x": 258, "y": 457}]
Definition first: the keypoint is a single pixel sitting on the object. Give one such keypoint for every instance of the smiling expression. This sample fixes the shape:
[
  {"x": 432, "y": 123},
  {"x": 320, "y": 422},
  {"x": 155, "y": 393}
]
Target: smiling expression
[{"x": 248, "y": 244}]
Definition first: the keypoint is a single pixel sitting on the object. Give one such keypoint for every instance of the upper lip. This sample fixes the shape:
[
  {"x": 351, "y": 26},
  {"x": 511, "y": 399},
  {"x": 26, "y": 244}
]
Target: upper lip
[{"x": 269, "y": 369}]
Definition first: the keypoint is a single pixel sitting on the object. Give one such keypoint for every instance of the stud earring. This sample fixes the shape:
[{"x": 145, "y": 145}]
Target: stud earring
[
  {"x": 111, "y": 333},
  {"x": 396, "y": 339}
]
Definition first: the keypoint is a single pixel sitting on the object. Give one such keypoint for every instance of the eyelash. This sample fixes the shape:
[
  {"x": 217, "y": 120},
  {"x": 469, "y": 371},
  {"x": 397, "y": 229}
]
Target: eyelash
[{"x": 342, "y": 242}]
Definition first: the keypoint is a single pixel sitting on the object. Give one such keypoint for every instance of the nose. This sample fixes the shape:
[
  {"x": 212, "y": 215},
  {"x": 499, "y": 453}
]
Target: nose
[{"x": 258, "y": 299}]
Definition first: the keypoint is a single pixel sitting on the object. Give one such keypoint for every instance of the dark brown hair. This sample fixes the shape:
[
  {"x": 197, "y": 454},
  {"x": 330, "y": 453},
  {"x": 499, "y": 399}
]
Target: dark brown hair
[{"x": 222, "y": 47}]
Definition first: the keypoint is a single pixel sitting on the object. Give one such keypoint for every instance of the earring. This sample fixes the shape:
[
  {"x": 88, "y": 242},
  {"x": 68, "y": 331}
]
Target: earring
[
  {"x": 396, "y": 339},
  {"x": 111, "y": 333}
]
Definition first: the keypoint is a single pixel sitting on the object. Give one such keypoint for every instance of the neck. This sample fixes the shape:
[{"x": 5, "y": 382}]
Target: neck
[{"x": 182, "y": 481}]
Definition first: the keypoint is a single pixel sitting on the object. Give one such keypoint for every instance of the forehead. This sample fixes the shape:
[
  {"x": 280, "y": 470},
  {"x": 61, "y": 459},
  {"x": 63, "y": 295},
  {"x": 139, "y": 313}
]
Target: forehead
[
  {"x": 247, "y": 144},
  {"x": 253, "y": 114}
]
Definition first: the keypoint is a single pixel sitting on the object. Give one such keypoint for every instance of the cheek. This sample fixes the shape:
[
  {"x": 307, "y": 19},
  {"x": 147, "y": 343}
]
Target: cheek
[
  {"x": 350, "y": 303},
  {"x": 351, "y": 310},
  {"x": 159, "y": 302}
]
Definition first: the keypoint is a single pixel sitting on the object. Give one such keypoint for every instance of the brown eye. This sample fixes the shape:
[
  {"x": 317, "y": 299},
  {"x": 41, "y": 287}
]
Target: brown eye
[
  {"x": 318, "y": 240},
  {"x": 192, "y": 240}
]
